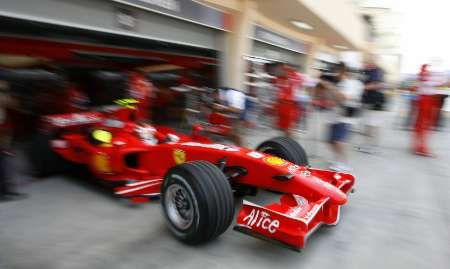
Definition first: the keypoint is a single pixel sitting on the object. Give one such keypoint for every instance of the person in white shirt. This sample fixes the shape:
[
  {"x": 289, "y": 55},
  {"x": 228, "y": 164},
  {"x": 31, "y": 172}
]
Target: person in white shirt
[
  {"x": 231, "y": 103},
  {"x": 234, "y": 99},
  {"x": 346, "y": 94}
]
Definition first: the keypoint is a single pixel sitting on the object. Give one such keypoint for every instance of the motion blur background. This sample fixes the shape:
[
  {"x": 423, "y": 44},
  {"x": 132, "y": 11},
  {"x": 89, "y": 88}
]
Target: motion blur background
[{"x": 87, "y": 52}]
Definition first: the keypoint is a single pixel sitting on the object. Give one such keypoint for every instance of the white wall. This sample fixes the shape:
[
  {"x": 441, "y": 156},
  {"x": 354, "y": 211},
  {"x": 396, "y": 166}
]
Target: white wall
[
  {"x": 342, "y": 15},
  {"x": 352, "y": 59}
]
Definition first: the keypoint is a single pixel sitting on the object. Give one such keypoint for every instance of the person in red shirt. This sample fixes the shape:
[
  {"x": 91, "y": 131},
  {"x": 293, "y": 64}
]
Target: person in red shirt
[
  {"x": 286, "y": 104},
  {"x": 426, "y": 105},
  {"x": 77, "y": 100},
  {"x": 140, "y": 89}
]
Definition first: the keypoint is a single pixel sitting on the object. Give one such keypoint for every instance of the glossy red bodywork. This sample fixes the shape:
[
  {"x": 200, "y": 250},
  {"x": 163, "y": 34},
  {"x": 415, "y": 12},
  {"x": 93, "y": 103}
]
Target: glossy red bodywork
[{"x": 312, "y": 196}]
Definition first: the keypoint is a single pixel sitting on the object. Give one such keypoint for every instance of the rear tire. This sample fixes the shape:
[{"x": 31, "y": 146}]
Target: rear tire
[
  {"x": 285, "y": 148},
  {"x": 43, "y": 160},
  {"x": 197, "y": 202}
]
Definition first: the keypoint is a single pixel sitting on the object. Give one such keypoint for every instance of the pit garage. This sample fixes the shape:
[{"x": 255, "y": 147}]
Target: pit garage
[
  {"x": 94, "y": 44},
  {"x": 274, "y": 47}
]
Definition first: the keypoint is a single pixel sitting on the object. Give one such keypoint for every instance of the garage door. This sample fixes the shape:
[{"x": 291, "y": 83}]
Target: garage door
[
  {"x": 107, "y": 16},
  {"x": 266, "y": 51}
]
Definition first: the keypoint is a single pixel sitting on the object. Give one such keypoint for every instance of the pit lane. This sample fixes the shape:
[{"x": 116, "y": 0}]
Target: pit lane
[{"x": 398, "y": 218}]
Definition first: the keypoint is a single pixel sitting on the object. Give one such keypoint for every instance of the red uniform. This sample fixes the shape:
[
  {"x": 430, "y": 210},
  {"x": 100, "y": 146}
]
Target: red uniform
[
  {"x": 77, "y": 100},
  {"x": 140, "y": 89},
  {"x": 286, "y": 106},
  {"x": 426, "y": 104}
]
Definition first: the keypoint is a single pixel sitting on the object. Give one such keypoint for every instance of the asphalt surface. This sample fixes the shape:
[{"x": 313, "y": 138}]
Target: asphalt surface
[{"x": 399, "y": 217}]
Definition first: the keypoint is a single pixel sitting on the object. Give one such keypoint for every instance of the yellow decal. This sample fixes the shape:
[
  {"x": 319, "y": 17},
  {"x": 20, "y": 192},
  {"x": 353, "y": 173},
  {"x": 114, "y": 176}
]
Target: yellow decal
[
  {"x": 101, "y": 163},
  {"x": 179, "y": 156},
  {"x": 275, "y": 161}
]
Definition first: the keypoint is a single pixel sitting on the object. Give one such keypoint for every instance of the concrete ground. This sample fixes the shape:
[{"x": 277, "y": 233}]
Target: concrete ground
[{"x": 399, "y": 217}]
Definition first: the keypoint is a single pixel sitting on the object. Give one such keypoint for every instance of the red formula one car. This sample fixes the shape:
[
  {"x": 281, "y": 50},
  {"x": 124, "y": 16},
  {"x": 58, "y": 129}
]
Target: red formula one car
[{"x": 196, "y": 178}]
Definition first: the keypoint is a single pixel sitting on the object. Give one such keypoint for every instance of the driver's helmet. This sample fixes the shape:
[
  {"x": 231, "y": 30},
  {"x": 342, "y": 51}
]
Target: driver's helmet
[
  {"x": 147, "y": 134},
  {"x": 100, "y": 136}
]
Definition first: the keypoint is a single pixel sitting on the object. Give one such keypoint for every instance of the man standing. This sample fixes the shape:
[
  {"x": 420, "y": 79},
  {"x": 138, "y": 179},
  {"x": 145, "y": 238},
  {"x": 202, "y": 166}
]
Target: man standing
[
  {"x": 286, "y": 106},
  {"x": 6, "y": 102},
  {"x": 345, "y": 94},
  {"x": 426, "y": 106},
  {"x": 373, "y": 100},
  {"x": 231, "y": 104},
  {"x": 140, "y": 89}
]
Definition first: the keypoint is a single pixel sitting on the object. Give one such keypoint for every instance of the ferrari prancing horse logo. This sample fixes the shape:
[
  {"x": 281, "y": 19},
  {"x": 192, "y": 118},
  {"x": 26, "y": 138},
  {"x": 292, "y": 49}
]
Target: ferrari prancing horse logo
[
  {"x": 179, "y": 156},
  {"x": 101, "y": 163}
]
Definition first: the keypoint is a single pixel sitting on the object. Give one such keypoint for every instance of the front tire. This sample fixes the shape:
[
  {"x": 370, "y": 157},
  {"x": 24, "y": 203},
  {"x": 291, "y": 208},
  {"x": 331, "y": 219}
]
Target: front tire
[
  {"x": 197, "y": 202},
  {"x": 285, "y": 148}
]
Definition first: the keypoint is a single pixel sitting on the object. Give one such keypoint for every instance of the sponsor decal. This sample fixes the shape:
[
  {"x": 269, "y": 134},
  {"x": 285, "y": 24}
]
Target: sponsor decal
[
  {"x": 293, "y": 168},
  {"x": 113, "y": 123},
  {"x": 179, "y": 156},
  {"x": 310, "y": 214},
  {"x": 59, "y": 144},
  {"x": 211, "y": 146},
  {"x": 258, "y": 218},
  {"x": 272, "y": 160},
  {"x": 305, "y": 173},
  {"x": 138, "y": 188},
  {"x": 73, "y": 119},
  {"x": 255, "y": 154}
]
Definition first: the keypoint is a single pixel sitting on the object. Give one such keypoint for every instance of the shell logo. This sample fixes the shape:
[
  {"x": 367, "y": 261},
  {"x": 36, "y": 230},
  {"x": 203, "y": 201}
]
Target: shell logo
[
  {"x": 179, "y": 156},
  {"x": 272, "y": 160}
]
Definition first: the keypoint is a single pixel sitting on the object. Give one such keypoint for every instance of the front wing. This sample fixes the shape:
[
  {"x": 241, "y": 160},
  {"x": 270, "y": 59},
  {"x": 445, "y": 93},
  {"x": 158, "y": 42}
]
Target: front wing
[{"x": 292, "y": 220}]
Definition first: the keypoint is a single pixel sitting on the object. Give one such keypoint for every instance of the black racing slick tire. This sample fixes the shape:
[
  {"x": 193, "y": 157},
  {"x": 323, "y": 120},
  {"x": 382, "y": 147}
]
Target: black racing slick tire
[
  {"x": 285, "y": 148},
  {"x": 197, "y": 202},
  {"x": 43, "y": 160}
]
